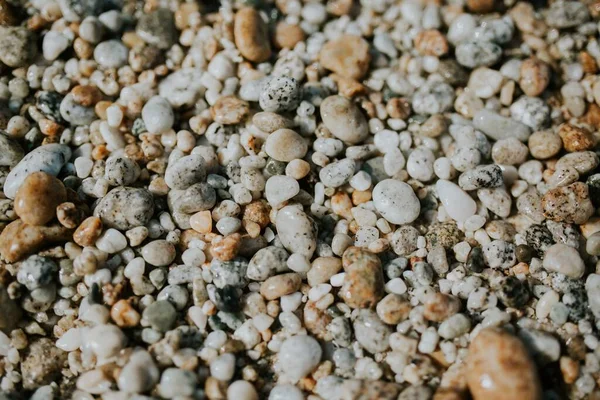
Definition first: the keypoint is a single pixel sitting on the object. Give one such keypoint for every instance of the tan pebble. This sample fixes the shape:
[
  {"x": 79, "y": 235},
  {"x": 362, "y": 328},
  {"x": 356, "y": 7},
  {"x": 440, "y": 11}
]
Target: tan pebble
[
  {"x": 339, "y": 7},
  {"x": 37, "y": 198},
  {"x": 215, "y": 389},
  {"x": 363, "y": 283},
  {"x": 499, "y": 367},
  {"x": 589, "y": 64},
  {"x": 49, "y": 127},
  {"x": 124, "y": 315},
  {"x": 590, "y": 227},
  {"x": 88, "y": 232},
  {"x": 569, "y": 369},
  {"x": 285, "y": 145},
  {"x": 341, "y": 205},
  {"x": 297, "y": 169},
  {"x": 201, "y": 221},
  {"x": 570, "y": 204},
  {"x": 269, "y": 122},
  {"x": 229, "y": 110},
  {"x": 535, "y": 76},
  {"x": 393, "y": 309},
  {"x": 434, "y": 126},
  {"x": 347, "y": 56},
  {"x": 322, "y": 269},
  {"x": 349, "y": 87},
  {"x": 480, "y": 6},
  {"x": 544, "y": 144},
  {"x": 69, "y": 215},
  {"x": 18, "y": 239},
  {"x": 317, "y": 320},
  {"x": 398, "y": 108},
  {"x": 287, "y": 35},
  {"x": 431, "y": 42},
  {"x": 361, "y": 196},
  {"x": 258, "y": 211},
  {"x": 251, "y": 35},
  {"x": 86, "y": 95},
  {"x": 440, "y": 306},
  {"x": 576, "y": 138},
  {"x": 280, "y": 285},
  {"x": 252, "y": 228},
  {"x": 226, "y": 248}
]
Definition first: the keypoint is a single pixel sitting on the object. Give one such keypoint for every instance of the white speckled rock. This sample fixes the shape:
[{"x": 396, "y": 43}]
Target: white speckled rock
[
  {"x": 420, "y": 164},
  {"x": 372, "y": 334},
  {"x": 298, "y": 356},
  {"x": 49, "y": 158},
  {"x": 498, "y": 127},
  {"x": 158, "y": 115},
  {"x": 159, "y": 253},
  {"x": 186, "y": 171},
  {"x": 337, "y": 173},
  {"x": 344, "y": 119},
  {"x": 564, "y": 260},
  {"x": 285, "y": 145},
  {"x": 125, "y": 208},
  {"x": 280, "y": 188},
  {"x": 296, "y": 230},
  {"x": 458, "y": 204},
  {"x": 396, "y": 201}
]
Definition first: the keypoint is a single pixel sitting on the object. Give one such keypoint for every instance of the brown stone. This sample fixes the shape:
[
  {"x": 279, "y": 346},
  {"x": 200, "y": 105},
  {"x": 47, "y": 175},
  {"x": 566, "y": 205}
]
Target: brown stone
[
  {"x": 570, "y": 204},
  {"x": 42, "y": 364},
  {"x": 124, "y": 315},
  {"x": 69, "y": 215},
  {"x": 287, "y": 35},
  {"x": 347, "y": 56},
  {"x": 576, "y": 138},
  {"x": 535, "y": 76},
  {"x": 440, "y": 306},
  {"x": 316, "y": 321},
  {"x": 480, "y": 6},
  {"x": 499, "y": 367},
  {"x": 37, "y": 198},
  {"x": 251, "y": 35},
  {"x": 7, "y": 14},
  {"x": 229, "y": 110},
  {"x": 88, "y": 232},
  {"x": 226, "y": 248},
  {"x": 393, "y": 309},
  {"x": 363, "y": 285},
  {"x": 398, "y": 108},
  {"x": 431, "y": 42},
  {"x": 11, "y": 312},
  {"x": 18, "y": 239},
  {"x": 589, "y": 64},
  {"x": 257, "y": 211},
  {"x": 86, "y": 95}
]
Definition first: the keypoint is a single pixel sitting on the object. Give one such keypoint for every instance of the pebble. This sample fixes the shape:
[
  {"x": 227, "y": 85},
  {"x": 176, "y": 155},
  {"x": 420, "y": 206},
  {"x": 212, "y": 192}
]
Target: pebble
[
  {"x": 498, "y": 127},
  {"x": 160, "y": 315},
  {"x": 575, "y": 138},
  {"x": 337, "y": 173},
  {"x": 241, "y": 390},
  {"x": 371, "y": 333},
  {"x": 433, "y": 97},
  {"x": 229, "y": 110},
  {"x": 396, "y": 201},
  {"x": 363, "y": 284},
  {"x": 285, "y": 145},
  {"x": 534, "y": 76},
  {"x": 111, "y": 54},
  {"x": 344, "y": 119},
  {"x": 531, "y": 111},
  {"x": 267, "y": 262},
  {"x": 509, "y": 151},
  {"x": 569, "y": 204},
  {"x": 10, "y": 152},
  {"x": 251, "y": 35},
  {"x": 544, "y": 144},
  {"x": 454, "y": 326},
  {"x": 121, "y": 171},
  {"x": 17, "y": 46},
  {"x": 176, "y": 383},
  {"x": 420, "y": 164},
  {"x": 159, "y": 253},
  {"x": 269, "y": 122},
  {"x": 296, "y": 231},
  {"x": 298, "y": 356},
  {"x": 497, "y": 200},
  {"x": 49, "y": 158},
  {"x": 499, "y": 254},
  {"x": 564, "y": 260},
  {"x": 185, "y": 172},
  {"x": 41, "y": 363},
  {"x": 347, "y": 55},
  {"x": 498, "y": 367},
  {"x": 280, "y": 285},
  {"x": 473, "y": 54},
  {"x": 280, "y": 93},
  {"x": 18, "y": 239},
  {"x": 111, "y": 241},
  {"x": 36, "y": 271},
  {"x": 457, "y": 203},
  {"x": 105, "y": 341},
  {"x": 88, "y": 232},
  {"x": 53, "y": 45},
  {"x": 223, "y": 367},
  {"x": 125, "y": 208},
  {"x": 280, "y": 189},
  {"x": 158, "y": 115},
  {"x": 75, "y": 113},
  {"x": 483, "y": 176},
  {"x": 139, "y": 375},
  {"x": 157, "y": 28},
  {"x": 37, "y": 198}
]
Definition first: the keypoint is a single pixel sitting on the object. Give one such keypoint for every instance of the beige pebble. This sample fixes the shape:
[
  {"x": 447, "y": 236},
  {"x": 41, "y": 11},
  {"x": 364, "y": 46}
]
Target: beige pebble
[
  {"x": 440, "y": 306},
  {"x": 285, "y": 145},
  {"x": 229, "y": 110},
  {"x": 251, "y": 35},
  {"x": 348, "y": 56},
  {"x": 287, "y": 35},
  {"x": 226, "y": 248},
  {"x": 18, "y": 239},
  {"x": 124, "y": 315},
  {"x": 576, "y": 138},
  {"x": 499, "y": 367},
  {"x": 86, "y": 95},
  {"x": 201, "y": 221},
  {"x": 363, "y": 282},
  {"x": 393, "y": 309},
  {"x": 269, "y": 122},
  {"x": 322, "y": 269},
  {"x": 88, "y": 232},
  {"x": 431, "y": 42},
  {"x": 544, "y": 144},
  {"x": 37, "y": 198},
  {"x": 570, "y": 204},
  {"x": 535, "y": 76},
  {"x": 297, "y": 169},
  {"x": 280, "y": 285}
]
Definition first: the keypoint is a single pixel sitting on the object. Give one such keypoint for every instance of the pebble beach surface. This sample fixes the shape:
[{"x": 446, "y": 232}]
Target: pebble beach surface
[{"x": 299, "y": 199}]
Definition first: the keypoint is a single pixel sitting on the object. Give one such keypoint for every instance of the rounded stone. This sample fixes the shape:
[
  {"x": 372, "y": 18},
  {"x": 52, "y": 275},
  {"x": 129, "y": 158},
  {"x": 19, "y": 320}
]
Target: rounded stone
[
  {"x": 344, "y": 120},
  {"x": 298, "y": 356},
  {"x": 396, "y": 201},
  {"x": 285, "y": 145},
  {"x": 159, "y": 253},
  {"x": 38, "y": 197},
  {"x": 125, "y": 208}
]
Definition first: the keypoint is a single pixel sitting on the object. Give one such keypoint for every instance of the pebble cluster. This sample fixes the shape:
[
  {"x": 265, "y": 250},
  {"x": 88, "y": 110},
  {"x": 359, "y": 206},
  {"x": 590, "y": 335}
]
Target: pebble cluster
[{"x": 299, "y": 199}]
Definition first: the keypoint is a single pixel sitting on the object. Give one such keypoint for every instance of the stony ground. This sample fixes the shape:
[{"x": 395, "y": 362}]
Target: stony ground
[{"x": 287, "y": 200}]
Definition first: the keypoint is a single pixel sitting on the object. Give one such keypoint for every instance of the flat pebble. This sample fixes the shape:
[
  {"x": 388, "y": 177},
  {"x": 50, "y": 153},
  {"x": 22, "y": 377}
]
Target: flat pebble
[
  {"x": 457, "y": 203},
  {"x": 498, "y": 127}
]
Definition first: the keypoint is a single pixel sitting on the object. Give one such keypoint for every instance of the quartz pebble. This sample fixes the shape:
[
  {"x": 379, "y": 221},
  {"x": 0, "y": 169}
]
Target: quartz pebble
[
  {"x": 457, "y": 203},
  {"x": 348, "y": 55},
  {"x": 396, "y": 201},
  {"x": 285, "y": 145},
  {"x": 498, "y": 127},
  {"x": 125, "y": 208},
  {"x": 344, "y": 119},
  {"x": 157, "y": 115},
  {"x": 564, "y": 260},
  {"x": 298, "y": 356}
]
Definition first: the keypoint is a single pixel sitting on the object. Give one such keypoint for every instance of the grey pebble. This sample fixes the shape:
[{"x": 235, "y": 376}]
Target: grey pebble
[
  {"x": 229, "y": 273},
  {"x": 157, "y": 28},
  {"x": 266, "y": 263},
  {"x": 36, "y": 271},
  {"x": 482, "y": 176},
  {"x": 531, "y": 111},
  {"x": 17, "y": 46},
  {"x": 372, "y": 334},
  {"x": 281, "y": 93},
  {"x": 498, "y": 127},
  {"x": 337, "y": 173},
  {"x": 10, "y": 151},
  {"x": 473, "y": 54},
  {"x": 185, "y": 172},
  {"x": 198, "y": 197},
  {"x": 160, "y": 315},
  {"x": 125, "y": 208},
  {"x": 121, "y": 171},
  {"x": 75, "y": 113}
]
